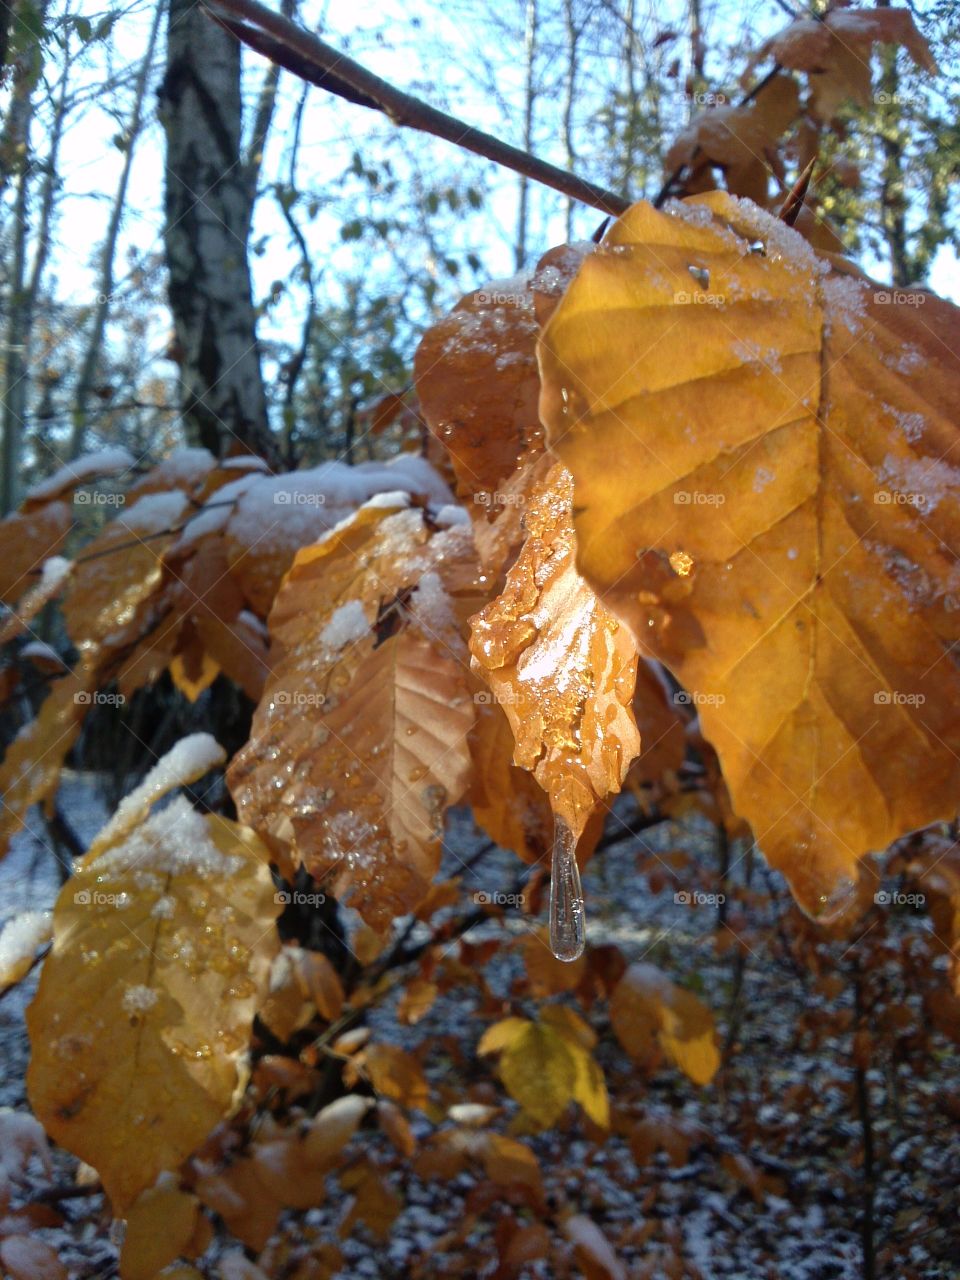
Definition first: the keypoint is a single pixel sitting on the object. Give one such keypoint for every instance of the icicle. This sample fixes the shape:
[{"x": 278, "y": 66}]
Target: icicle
[{"x": 567, "y": 922}]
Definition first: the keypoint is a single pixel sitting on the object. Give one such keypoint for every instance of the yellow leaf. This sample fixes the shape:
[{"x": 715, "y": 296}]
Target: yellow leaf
[
  {"x": 560, "y": 664},
  {"x": 161, "y": 1225},
  {"x": 646, "y": 1008},
  {"x": 766, "y": 491},
  {"x": 192, "y": 683},
  {"x": 501, "y": 1034},
  {"x": 538, "y": 1070},
  {"x": 162, "y": 949},
  {"x": 30, "y": 771}
]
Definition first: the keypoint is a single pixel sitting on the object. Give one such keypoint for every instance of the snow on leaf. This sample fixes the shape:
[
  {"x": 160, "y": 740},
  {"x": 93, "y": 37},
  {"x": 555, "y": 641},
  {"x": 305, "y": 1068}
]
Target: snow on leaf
[
  {"x": 360, "y": 740},
  {"x": 814, "y": 620},
  {"x": 140, "y": 1026},
  {"x": 19, "y": 940}
]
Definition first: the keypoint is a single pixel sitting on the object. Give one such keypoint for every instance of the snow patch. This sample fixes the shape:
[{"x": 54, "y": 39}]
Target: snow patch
[
  {"x": 19, "y": 941},
  {"x": 89, "y": 466},
  {"x": 347, "y": 625},
  {"x": 139, "y": 999}
]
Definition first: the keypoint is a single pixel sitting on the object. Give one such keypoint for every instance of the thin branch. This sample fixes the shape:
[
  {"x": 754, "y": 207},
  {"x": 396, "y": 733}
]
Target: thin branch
[{"x": 349, "y": 79}]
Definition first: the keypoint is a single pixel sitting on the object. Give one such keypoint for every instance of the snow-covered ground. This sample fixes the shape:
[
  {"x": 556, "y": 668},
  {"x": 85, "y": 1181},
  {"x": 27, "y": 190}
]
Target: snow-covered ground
[{"x": 799, "y": 1223}]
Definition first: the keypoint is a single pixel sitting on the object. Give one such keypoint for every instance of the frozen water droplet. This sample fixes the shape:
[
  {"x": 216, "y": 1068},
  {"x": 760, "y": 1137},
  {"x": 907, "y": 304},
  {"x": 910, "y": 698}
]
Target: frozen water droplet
[{"x": 567, "y": 921}]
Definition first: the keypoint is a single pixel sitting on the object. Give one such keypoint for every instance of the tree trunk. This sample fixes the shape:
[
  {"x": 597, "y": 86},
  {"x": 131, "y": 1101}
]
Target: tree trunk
[{"x": 207, "y": 213}]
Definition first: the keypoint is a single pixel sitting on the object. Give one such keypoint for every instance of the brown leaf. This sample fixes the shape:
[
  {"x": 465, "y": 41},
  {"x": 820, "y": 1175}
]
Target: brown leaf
[{"x": 26, "y": 540}]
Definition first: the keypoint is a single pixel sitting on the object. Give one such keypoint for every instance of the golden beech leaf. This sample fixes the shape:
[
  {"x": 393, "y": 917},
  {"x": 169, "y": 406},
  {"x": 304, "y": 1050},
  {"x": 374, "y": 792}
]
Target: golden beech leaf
[
  {"x": 539, "y": 1070},
  {"x": 647, "y": 1009},
  {"x": 26, "y": 540},
  {"x": 30, "y": 771},
  {"x": 501, "y": 1034},
  {"x": 366, "y": 715},
  {"x": 767, "y": 491},
  {"x": 161, "y": 1226},
  {"x": 163, "y": 941},
  {"x": 560, "y": 664},
  {"x": 835, "y": 52},
  {"x": 397, "y": 1128}
]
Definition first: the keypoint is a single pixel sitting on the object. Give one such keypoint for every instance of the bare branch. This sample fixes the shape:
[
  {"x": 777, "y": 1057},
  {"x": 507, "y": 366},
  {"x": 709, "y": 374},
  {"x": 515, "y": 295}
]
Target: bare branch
[{"x": 301, "y": 51}]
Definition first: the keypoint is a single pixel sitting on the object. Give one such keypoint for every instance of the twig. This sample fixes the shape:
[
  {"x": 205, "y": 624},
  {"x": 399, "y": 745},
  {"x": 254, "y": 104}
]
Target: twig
[
  {"x": 789, "y": 211},
  {"x": 303, "y": 51}
]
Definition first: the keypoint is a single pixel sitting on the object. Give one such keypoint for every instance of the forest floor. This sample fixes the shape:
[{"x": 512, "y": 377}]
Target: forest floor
[{"x": 771, "y": 1184}]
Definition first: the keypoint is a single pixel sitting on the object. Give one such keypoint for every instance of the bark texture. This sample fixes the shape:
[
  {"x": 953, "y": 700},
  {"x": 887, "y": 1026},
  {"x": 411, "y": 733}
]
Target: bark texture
[{"x": 208, "y": 204}]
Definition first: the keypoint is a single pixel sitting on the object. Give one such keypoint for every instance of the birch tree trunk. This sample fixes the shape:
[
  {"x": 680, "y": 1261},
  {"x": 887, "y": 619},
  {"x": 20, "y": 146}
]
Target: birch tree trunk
[{"x": 207, "y": 215}]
